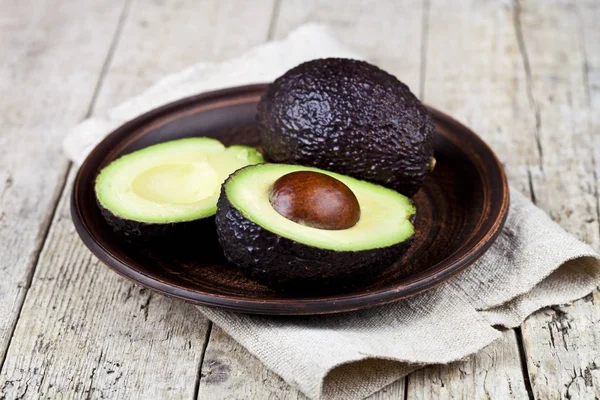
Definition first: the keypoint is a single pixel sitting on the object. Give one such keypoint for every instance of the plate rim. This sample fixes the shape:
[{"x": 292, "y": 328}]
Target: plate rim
[{"x": 301, "y": 306}]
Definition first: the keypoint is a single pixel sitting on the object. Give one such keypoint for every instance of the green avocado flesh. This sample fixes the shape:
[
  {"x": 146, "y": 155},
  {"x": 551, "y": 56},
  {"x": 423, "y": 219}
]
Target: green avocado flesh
[
  {"x": 384, "y": 214},
  {"x": 170, "y": 182}
]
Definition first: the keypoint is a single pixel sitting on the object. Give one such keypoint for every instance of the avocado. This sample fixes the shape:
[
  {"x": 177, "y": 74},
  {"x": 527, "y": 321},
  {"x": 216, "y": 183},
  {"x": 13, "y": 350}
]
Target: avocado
[
  {"x": 349, "y": 117},
  {"x": 276, "y": 238},
  {"x": 169, "y": 188}
]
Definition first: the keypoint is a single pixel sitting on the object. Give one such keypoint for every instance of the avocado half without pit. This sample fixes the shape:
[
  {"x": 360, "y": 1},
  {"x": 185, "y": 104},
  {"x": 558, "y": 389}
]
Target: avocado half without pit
[
  {"x": 168, "y": 189},
  {"x": 299, "y": 228}
]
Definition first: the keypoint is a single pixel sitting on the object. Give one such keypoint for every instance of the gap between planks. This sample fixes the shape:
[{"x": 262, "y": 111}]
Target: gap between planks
[
  {"x": 46, "y": 230},
  {"x": 270, "y": 34},
  {"x": 201, "y": 362},
  {"x": 127, "y": 56},
  {"x": 61, "y": 187},
  {"x": 476, "y": 55},
  {"x": 527, "y": 68},
  {"x": 561, "y": 342}
]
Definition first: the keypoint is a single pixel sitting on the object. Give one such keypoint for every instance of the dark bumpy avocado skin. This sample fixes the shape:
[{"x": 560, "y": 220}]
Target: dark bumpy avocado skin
[
  {"x": 199, "y": 231},
  {"x": 350, "y": 117},
  {"x": 286, "y": 265}
]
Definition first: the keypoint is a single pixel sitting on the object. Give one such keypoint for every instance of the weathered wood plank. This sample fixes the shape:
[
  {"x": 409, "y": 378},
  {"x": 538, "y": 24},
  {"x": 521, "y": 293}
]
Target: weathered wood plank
[
  {"x": 85, "y": 331},
  {"x": 51, "y": 61},
  {"x": 475, "y": 73},
  {"x": 588, "y": 12},
  {"x": 562, "y": 344},
  {"x": 494, "y": 373},
  {"x": 230, "y": 371},
  {"x": 183, "y": 33},
  {"x": 565, "y": 187},
  {"x": 388, "y": 34}
]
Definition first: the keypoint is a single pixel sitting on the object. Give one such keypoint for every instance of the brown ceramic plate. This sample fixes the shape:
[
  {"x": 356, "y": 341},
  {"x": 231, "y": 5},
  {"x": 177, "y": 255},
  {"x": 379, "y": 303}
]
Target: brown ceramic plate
[{"x": 460, "y": 211}]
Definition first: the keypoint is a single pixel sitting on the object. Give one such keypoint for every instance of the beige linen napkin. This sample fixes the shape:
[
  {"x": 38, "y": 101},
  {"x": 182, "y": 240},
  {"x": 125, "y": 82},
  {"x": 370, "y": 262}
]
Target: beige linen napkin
[{"x": 532, "y": 264}]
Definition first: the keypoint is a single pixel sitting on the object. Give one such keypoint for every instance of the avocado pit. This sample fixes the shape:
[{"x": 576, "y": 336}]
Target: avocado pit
[{"x": 316, "y": 200}]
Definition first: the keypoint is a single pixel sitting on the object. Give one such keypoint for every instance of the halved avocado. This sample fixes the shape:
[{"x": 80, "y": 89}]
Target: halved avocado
[
  {"x": 169, "y": 187},
  {"x": 293, "y": 256}
]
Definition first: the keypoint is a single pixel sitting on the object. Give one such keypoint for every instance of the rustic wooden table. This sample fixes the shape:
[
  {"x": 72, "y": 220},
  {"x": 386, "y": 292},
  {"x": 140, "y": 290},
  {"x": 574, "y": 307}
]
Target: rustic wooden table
[{"x": 524, "y": 74}]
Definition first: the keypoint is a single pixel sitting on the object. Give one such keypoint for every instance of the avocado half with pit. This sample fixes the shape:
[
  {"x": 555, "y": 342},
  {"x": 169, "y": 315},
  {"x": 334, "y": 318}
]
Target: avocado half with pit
[
  {"x": 349, "y": 117},
  {"x": 167, "y": 189},
  {"x": 264, "y": 226}
]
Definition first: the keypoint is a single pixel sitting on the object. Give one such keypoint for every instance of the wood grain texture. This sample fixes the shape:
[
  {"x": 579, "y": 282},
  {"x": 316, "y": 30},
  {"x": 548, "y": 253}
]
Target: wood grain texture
[
  {"x": 474, "y": 71},
  {"x": 163, "y": 37},
  {"x": 388, "y": 34},
  {"x": 43, "y": 93},
  {"x": 85, "y": 331},
  {"x": 230, "y": 372},
  {"x": 561, "y": 343},
  {"x": 494, "y": 373}
]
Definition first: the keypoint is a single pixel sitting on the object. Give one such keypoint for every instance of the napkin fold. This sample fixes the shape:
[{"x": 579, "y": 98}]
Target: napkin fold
[{"x": 534, "y": 263}]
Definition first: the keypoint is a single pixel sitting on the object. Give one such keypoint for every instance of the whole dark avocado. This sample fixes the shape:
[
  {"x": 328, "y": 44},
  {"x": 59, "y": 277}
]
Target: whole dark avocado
[{"x": 349, "y": 117}]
